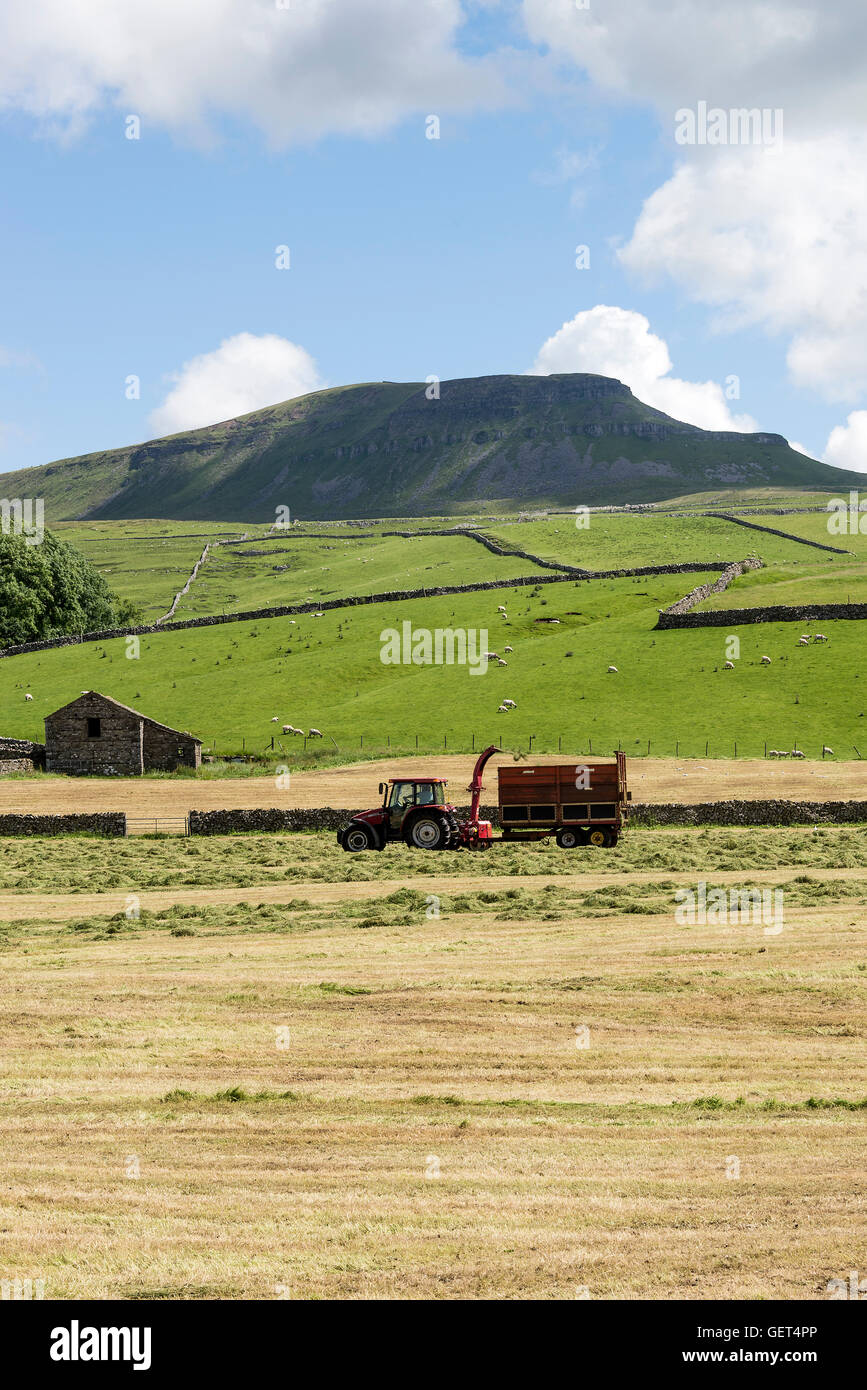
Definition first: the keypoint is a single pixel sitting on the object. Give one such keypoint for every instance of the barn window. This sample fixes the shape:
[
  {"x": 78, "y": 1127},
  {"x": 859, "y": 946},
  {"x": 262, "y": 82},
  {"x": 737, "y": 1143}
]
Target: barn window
[{"x": 94, "y": 727}]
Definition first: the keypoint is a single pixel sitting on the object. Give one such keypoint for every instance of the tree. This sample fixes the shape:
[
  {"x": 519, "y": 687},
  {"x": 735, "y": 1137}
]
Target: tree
[{"x": 50, "y": 589}]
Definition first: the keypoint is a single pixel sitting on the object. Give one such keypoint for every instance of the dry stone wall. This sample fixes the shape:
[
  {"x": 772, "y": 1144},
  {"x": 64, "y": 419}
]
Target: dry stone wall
[
  {"x": 357, "y": 600},
  {"x": 107, "y": 823}
]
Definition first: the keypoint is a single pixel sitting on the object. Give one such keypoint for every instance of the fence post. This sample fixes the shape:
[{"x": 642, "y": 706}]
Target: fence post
[{"x": 416, "y": 741}]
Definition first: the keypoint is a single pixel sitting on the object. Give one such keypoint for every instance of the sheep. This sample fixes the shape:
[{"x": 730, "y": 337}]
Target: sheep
[
  {"x": 796, "y": 753},
  {"x": 819, "y": 637},
  {"x": 492, "y": 656},
  {"x": 510, "y": 704},
  {"x": 287, "y": 729},
  {"x": 612, "y": 670},
  {"x": 28, "y": 697},
  {"x": 829, "y": 751},
  {"x": 501, "y": 608},
  {"x": 319, "y": 615},
  {"x": 729, "y": 666},
  {"x": 501, "y": 662},
  {"x": 803, "y": 641},
  {"x": 508, "y": 649},
  {"x": 502, "y": 709},
  {"x": 314, "y": 733},
  {"x": 275, "y": 720},
  {"x": 766, "y": 661}
]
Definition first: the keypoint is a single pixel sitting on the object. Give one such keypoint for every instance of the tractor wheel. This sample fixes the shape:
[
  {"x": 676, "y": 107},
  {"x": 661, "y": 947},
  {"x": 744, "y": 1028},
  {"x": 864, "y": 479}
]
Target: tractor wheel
[
  {"x": 428, "y": 832},
  {"x": 567, "y": 838},
  {"x": 598, "y": 837},
  {"x": 356, "y": 838}
]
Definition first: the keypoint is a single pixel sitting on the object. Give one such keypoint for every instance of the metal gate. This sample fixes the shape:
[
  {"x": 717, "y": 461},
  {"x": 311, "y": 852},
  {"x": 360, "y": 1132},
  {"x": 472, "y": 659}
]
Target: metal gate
[{"x": 157, "y": 825}]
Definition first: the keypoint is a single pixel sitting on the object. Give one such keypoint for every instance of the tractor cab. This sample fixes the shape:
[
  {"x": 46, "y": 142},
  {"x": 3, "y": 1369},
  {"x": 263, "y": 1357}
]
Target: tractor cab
[{"x": 401, "y": 795}]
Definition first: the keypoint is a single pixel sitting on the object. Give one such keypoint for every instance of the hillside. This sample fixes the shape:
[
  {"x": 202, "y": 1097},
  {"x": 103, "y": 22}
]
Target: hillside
[{"x": 385, "y": 449}]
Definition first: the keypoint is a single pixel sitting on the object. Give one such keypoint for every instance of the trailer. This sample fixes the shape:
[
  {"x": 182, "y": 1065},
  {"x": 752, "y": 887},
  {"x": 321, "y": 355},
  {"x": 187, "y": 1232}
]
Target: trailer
[{"x": 579, "y": 803}]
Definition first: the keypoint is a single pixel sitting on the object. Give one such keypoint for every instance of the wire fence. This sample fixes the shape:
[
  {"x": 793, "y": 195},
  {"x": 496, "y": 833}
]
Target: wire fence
[{"x": 523, "y": 745}]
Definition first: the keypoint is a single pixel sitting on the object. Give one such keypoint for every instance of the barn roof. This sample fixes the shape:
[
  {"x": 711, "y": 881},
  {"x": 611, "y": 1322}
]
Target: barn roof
[{"x": 116, "y": 704}]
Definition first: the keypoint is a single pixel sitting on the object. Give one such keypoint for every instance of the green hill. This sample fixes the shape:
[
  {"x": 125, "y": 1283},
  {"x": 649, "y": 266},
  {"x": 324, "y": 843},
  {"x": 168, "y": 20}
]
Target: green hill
[{"x": 385, "y": 449}]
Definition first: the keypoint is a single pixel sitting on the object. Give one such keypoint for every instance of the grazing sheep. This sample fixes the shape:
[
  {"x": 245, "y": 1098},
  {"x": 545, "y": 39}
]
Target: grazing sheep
[
  {"x": 819, "y": 637},
  {"x": 501, "y": 662},
  {"x": 828, "y": 751},
  {"x": 287, "y": 729},
  {"x": 319, "y": 615},
  {"x": 501, "y": 608},
  {"x": 766, "y": 661},
  {"x": 314, "y": 733},
  {"x": 275, "y": 720},
  {"x": 613, "y": 670},
  {"x": 796, "y": 753},
  {"x": 729, "y": 666},
  {"x": 28, "y": 697},
  {"x": 492, "y": 656},
  {"x": 510, "y": 704},
  {"x": 508, "y": 649},
  {"x": 502, "y": 708},
  {"x": 803, "y": 641}
]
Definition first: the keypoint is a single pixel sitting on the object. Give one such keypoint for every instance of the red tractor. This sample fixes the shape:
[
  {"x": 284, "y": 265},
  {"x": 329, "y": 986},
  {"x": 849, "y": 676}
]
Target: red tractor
[
  {"x": 415, "y": 810},
  {"x": 580, "y": 803}
]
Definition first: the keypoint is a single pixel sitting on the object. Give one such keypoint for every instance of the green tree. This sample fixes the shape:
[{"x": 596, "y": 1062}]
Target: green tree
[{"x": 50, "y": 589}]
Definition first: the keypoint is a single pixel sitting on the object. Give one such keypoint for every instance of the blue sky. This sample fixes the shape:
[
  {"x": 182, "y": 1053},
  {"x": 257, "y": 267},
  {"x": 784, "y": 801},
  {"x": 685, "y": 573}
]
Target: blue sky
[{"x": 409, "y": 256}]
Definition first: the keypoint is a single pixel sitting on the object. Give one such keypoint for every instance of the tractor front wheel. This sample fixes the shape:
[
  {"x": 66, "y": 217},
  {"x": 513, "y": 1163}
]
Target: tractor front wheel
[
  {"x": 428, "y": 832},
  {"x": 356, "y": 838}
]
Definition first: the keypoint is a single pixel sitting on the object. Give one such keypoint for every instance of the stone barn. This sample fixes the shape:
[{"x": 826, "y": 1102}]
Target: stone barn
[{"x": 97, "y": 736}]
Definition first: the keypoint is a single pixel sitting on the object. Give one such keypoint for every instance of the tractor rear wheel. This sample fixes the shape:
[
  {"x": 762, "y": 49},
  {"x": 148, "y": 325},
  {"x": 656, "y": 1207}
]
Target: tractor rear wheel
[
  {"x": 428, "y": 832},
  {"x": 567, "y": 838},
  {"x": 356, "y": 838}
]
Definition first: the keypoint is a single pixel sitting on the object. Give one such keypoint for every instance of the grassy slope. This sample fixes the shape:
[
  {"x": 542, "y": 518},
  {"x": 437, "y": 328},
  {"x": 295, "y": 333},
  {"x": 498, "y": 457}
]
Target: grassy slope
[{"x": 225, "y": 683}]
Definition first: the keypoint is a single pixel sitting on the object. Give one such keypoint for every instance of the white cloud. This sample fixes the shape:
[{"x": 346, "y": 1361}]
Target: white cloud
[
  {"x": 847, "y": 444},
  {"x": 313, "y": 67},
  {"x": 771, "y": 238},
  {"x": 618, "y": 342},
  {"x": 244, "y": 373},
  {"x": 808, "y": 56}
]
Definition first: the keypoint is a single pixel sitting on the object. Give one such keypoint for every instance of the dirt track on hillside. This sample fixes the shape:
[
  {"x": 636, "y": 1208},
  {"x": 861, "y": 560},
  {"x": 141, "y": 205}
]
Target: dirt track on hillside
[{"x": 355, "y": 786}]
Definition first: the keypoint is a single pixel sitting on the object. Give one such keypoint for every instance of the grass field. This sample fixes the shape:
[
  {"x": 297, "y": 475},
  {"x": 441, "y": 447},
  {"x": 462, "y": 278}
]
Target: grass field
[
  {"x": 226, "y": 684},
  {"x": 550, "y": 1089}
]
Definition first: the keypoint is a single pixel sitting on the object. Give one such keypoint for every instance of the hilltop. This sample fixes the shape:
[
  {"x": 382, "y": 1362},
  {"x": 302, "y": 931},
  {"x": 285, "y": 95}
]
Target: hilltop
[{"x": 386, "y": 449}]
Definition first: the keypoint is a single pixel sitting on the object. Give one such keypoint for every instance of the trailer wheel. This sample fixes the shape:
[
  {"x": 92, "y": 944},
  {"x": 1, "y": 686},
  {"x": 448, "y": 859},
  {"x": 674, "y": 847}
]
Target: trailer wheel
[
  {"x": 598, "y": 837},
  {"x": 356, "y": 838},
  {"x": 428, "y": 832},
  {"x": 568, "y": 839}
]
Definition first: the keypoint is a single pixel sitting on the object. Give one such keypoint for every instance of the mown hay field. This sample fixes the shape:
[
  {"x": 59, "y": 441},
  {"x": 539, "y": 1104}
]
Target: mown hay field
[{"x": 532, "y": 1088}]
